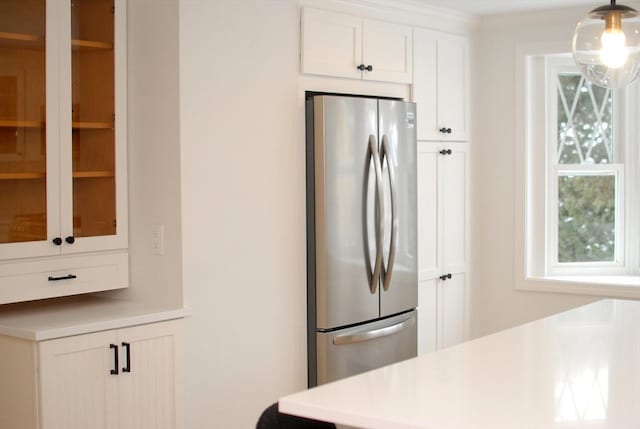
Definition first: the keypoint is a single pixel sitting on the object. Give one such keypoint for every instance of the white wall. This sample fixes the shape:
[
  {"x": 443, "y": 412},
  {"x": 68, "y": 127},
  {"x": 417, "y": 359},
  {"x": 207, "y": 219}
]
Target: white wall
[
  {"x": 496, "y": 304},
  {"x": 242, "y": 157},
  {"x": 153, "y": 150}
]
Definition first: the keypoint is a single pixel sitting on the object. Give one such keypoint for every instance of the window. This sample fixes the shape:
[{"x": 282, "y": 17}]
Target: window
[
  {"x": 585, "y": 174},
  {"x": 578, "y": 194}
]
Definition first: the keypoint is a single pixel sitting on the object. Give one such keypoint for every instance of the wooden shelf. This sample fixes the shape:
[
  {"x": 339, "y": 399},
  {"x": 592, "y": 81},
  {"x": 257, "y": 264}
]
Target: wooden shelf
[
  {"x": 22, "y": 176},
  {"x": 92, "y": 125},
  {"x": 20, "y": 40},
  {"x": 76, "y": 175},
  {"x": 90, "y": 45},
  {"x": 92, "y": 174},
  {"x": 20, "y": 124}
]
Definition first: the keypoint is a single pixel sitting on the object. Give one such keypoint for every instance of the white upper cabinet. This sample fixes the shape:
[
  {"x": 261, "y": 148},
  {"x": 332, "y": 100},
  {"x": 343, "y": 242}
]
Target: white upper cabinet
[
  {"x": 342, "y": 45},
  {"x": 63, "y": 155},
  {"x": 440, "y": 85},
  {"x": 331, "y": 43},
  {"x": 386, "y": 48}
]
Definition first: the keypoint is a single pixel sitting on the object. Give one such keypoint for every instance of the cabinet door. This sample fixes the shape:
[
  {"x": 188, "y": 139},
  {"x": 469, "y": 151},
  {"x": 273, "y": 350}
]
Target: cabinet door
[
  {"x": 149, "y": 393},
  {"x": 77, "y": 390},
  {"x": 442, "y": 245},
  {"x": 440, "y": 85},
  {"x": 451, "y": 311},
  {"x": 429, "y": 239},
  {"x": 452, "y": 87},
  {"x": 453, "y": 199},
  {"x": 93, "y": 163},
  {"x": 29, "y": 190},
  {"x": 427, "y": 316},
  {"x": 387, "y": 48},
  {"x": 331, "y": 43},
  {"x": 429, "y": 231}
]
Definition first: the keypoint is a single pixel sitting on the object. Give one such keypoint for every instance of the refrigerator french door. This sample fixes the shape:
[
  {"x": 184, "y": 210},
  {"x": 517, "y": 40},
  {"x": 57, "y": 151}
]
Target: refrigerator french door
[{"x": 361, "y": 234}]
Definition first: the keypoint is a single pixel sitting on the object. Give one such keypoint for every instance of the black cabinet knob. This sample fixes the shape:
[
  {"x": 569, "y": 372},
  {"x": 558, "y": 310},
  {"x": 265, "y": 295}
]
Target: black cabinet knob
[
  {"x": 361, "y": 67},
  {"x": 445, "y": 152},
  {"x": 57, "y": 241},
  {"x": 369, "y": 68},
  {"x": 70, "y": 239},
  {"x": 445, "y": 130},
  {"x": 445, "y": 276}
]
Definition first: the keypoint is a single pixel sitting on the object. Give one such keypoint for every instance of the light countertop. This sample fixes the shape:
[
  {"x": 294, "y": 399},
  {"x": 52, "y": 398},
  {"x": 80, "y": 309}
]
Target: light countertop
[
  {"x": 577, "y": 369},
  {"x": 49, "y": 319}
]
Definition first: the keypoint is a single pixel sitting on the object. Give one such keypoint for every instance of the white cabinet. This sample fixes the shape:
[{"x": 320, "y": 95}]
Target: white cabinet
[
  {"x": 63, "y": 166},
  {"x": 440, "y": 85},
  {"x": 442, "y": 244},
  {"x": 119, "y": 379},
  {"x": 342, "y": 45}
]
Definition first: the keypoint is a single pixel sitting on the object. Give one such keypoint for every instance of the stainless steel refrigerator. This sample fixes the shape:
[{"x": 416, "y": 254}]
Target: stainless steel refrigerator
[{"x": 361, "y": 234}]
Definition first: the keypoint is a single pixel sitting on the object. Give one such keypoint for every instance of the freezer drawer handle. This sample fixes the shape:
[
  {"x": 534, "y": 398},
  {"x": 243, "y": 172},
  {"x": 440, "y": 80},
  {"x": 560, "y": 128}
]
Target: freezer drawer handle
[
  {"x": 393, "y": 242},
  {"x": 341, "y": 340},
  {"x": 377, "y": 268}
]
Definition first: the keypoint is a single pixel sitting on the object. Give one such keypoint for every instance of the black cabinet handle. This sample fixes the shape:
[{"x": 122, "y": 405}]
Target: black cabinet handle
[
  {"x": 127, "y": 348},
  {"x": 445, "y": 130},
  {"x": 70, "y": 239},
  {"x": 115, "y": 369},
  {"x": 57, "y": 241},
  {"x": 67, "y": 277},
  {"x": 445, "y": 152},
  {"x": 369, "y": 68},
  {"x": 445, "y": 276},
  {"x": 361, "y": 67}
]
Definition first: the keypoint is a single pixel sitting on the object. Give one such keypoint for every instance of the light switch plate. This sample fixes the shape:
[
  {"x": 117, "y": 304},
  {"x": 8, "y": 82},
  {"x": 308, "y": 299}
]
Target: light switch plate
[{"x": 157, "y": 239}]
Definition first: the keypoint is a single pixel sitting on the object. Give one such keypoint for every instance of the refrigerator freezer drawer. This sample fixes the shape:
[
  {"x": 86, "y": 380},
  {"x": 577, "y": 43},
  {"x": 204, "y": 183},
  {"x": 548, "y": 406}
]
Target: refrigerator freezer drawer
[{"x": 362, "y": 348}]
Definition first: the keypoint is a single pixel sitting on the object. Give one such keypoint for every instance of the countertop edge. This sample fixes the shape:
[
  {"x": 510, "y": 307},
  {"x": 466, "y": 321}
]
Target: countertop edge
[{"x": 115, "y": 323}]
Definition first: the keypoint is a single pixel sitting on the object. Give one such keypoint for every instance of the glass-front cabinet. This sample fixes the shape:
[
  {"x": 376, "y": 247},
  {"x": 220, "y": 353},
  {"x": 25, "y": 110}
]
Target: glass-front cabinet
[{"x": 62, "y": 140}]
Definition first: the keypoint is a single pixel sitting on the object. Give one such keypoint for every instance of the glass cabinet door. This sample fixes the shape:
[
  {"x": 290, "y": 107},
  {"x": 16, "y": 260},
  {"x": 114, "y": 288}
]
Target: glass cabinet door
[
  {"x": 23, "y": 143},
  {"x": 93, "y": 118}
]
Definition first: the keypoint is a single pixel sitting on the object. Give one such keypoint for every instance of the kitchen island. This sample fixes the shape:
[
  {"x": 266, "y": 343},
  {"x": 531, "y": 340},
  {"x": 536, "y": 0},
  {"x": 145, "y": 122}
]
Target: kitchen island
[{"x": 576, "y": 369}]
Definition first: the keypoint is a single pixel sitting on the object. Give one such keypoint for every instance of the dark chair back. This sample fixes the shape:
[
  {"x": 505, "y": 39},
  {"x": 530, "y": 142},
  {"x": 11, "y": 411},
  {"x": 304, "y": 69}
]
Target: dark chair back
[{"x": 271, "y": 418}]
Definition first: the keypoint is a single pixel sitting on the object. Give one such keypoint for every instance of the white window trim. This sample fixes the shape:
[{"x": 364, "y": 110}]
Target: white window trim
[{"x": 531, "y": 268}]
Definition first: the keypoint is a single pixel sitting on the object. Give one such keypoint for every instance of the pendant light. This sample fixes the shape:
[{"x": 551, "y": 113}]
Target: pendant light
[{"x": 606, "y": 45}]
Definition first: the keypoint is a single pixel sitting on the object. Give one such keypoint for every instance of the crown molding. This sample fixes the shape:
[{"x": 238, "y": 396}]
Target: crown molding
[{"x": 412, "y": 12}]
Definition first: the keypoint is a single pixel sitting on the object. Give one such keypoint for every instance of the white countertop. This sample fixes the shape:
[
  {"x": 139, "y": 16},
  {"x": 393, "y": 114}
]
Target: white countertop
[
  {"x": 49, "y": 319},
  {"x": 577, "y": 369}
]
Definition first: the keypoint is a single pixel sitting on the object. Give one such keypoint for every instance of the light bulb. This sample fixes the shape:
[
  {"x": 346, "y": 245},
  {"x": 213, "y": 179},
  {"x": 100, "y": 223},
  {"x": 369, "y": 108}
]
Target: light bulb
[
  {"x": 613, "y": 53},
  {"x": 606, "y": 45}
]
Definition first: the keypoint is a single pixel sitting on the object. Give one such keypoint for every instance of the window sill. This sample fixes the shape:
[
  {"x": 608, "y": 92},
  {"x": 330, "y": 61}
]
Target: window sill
[{"x": 604, "y": 286}]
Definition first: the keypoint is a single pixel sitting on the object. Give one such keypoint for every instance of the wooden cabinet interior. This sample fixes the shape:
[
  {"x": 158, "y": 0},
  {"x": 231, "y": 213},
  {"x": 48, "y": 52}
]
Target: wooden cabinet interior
[
  {"x": 93, "y": 113},
  {"x": 22, "y": 121}
]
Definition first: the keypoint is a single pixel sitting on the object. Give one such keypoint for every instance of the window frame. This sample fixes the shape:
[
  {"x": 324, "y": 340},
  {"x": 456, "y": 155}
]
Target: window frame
[{"x": 531, "y": 273}]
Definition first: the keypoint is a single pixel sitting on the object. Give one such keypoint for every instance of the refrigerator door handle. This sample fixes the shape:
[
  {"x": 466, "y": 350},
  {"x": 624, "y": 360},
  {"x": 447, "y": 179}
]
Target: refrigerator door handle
[
  {"x": 388, "y": 270},
  {"x": 377, "y": 268},
  {"x": 341, "y": 340}
]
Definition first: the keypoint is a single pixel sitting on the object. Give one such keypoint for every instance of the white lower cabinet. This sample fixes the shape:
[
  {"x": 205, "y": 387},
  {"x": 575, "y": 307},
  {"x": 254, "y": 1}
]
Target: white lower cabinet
[
  {"x": 442, "y": 244},
  {"x": 129, "y": 378}
]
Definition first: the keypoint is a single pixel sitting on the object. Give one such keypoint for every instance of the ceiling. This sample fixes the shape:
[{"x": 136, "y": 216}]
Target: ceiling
[{"x": 489, "y": 7}]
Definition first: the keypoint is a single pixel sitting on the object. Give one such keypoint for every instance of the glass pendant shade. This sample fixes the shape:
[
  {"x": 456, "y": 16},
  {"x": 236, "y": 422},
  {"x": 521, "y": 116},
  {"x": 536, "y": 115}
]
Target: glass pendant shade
[{"x": 606, "y": 45}]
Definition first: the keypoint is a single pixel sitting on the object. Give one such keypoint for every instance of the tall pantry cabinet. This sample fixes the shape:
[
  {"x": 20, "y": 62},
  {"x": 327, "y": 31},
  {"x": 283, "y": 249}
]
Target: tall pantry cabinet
[
  {"x": 440, "y": 90},
  {"x": 63, "y": 204}
]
